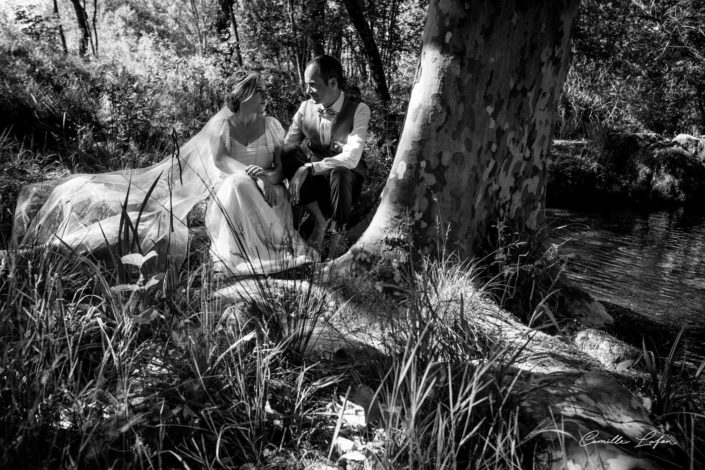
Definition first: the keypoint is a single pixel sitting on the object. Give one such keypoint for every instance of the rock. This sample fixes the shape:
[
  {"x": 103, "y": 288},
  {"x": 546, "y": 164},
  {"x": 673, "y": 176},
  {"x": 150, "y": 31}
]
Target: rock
[
  {"x": 343, "y": 445},
  {"x": 693, "y": 145},
  {"x": 607, "y": 349},
  {"x": 353, "y": 460}
]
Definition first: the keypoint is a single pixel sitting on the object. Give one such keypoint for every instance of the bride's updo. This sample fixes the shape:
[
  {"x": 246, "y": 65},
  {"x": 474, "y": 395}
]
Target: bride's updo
[{"x": 241, "y": 86}]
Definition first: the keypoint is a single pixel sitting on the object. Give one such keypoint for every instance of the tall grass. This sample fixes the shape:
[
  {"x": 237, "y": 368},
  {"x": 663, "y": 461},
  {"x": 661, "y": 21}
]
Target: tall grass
[{"x": 88, "y": 382}]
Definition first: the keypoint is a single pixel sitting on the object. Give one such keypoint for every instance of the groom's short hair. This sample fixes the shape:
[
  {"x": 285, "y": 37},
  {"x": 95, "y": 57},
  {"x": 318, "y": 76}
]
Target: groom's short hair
[{"x": 329, "y": 67}]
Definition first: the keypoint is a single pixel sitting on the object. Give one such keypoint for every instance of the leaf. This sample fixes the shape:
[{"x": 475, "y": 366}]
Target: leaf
[
  {"x": 125, "y": 288},
  {"x": 154, "y": 281},
  {"x": 136, "y": 259},
  {"x": 142, "y": 207},
  {"x": 147, "y": 316},
  {"x": 647, "y": 403}
]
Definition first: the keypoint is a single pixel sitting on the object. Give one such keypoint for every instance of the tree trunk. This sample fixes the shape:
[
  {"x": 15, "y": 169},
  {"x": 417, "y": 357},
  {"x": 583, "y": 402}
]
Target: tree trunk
[
  {"x": 95, "y": 28},
  {"x": 61, "y": 28},
  {"x": 197, "y": 22},
  {"x": 391, "y": 34},
  {"x": 298, "y": 57},
  {"x": 227, "y": 17},
  {"x": 474, "y": 146},
  {"x": 355, "y": 9},
  {"x": 236, "y": 34},
  {"x": 317, "y": 21},
  {"x": 82, "y": 19}
]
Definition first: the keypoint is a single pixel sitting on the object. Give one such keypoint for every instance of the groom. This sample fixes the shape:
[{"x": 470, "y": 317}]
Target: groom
[{"x": 323, "y": 151}]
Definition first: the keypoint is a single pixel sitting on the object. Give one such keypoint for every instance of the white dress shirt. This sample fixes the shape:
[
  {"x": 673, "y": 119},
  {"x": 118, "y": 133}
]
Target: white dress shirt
[{"x": 352, "y": 149}]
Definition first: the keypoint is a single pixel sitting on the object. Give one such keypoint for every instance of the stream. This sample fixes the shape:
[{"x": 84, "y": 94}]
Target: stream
[{"x": 651, "y": 262}]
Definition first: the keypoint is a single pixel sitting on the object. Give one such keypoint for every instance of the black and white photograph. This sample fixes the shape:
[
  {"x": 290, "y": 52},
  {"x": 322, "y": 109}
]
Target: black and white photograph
[{"x": 352, "y": 234}]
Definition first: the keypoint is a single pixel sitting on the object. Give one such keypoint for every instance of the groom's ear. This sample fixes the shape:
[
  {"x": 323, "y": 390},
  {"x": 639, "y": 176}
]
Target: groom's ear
[{"x": 333, "y": 82}]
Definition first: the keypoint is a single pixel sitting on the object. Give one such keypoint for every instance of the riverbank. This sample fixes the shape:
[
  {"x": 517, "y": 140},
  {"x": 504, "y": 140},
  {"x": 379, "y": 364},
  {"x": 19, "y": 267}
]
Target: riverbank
[{"x": 640, "y": 170}]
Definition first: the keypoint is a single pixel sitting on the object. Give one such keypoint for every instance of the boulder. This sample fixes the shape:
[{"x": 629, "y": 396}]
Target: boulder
[
  {"x": 693, "y": 145},
  {"x": 608, "y": 350}
]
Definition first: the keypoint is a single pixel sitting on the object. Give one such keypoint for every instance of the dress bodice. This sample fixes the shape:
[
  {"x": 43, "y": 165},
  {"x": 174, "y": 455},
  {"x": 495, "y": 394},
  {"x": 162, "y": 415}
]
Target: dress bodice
[{"x": 256, "y": 152}]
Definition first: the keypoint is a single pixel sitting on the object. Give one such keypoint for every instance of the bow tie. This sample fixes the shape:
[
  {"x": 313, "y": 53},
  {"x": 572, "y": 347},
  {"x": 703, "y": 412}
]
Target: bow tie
[{"x": 327, "y": 112}]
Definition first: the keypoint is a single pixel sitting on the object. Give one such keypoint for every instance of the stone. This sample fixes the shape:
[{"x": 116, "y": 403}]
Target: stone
[
  {"x": 343, "y": 445},
  {"x": 694, "y": 145},
  {"x": 608, "y": 350}
]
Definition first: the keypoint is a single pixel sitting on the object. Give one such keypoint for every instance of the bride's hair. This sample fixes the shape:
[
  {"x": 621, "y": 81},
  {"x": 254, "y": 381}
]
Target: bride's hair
[{"x": 241, "y": 86}]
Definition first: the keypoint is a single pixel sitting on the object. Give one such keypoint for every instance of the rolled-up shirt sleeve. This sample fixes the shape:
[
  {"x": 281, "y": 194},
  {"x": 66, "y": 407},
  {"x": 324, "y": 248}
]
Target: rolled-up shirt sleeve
[
  {"x": 352, "y": 149},
  {"x": 295, "y": 134}
]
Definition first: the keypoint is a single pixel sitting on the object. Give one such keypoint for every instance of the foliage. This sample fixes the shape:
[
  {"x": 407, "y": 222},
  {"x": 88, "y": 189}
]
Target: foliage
[
  {"x": 89, "y": 380},
  {"x": 674, "y": 394},
  {"x": 636, "y": 67}
]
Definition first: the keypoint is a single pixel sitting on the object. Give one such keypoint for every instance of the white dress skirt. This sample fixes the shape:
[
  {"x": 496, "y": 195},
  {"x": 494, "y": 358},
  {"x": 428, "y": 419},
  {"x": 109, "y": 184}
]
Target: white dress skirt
[{"x": 248, "y": 236}]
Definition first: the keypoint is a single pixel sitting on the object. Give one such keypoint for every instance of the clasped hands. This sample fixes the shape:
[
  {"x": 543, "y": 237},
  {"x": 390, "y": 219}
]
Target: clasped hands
[{"x": 257, "y": 173}]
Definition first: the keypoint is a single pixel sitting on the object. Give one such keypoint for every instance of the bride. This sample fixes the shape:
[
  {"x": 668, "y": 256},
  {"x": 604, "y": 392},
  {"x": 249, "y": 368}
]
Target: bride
[{"x": 234, "y": 160}]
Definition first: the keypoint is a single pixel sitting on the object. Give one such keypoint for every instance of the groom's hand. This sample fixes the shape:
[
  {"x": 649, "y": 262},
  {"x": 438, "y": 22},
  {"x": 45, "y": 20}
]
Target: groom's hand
[{"x": 295, "y": 184}]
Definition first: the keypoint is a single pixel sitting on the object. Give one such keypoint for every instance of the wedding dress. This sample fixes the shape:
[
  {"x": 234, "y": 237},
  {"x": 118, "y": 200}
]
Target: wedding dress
[
  {"x": 139, "y": 210},
  {"x": 247, "y": 234}
]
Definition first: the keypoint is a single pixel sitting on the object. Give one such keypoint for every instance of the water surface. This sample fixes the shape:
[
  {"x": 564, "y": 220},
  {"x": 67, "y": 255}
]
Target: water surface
[{"x": 652, "y": 263}]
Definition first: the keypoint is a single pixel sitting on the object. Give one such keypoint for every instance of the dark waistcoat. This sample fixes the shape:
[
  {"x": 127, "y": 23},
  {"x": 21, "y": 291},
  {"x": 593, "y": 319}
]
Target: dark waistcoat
[{"x": 342, "y": 126}]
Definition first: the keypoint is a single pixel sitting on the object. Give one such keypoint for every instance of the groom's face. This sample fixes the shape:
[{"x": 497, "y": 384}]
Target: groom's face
[{"x": 317, "y": 88}]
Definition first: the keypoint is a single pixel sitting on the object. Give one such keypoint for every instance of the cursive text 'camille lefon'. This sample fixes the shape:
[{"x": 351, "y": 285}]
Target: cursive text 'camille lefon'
[{"x": 652, "y": 439}]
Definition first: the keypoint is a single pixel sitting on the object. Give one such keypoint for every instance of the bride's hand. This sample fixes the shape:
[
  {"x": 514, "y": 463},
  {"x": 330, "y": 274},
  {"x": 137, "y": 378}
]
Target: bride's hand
[
  {"x": 270, "y": 194},
  {"x": 254, "y": 171}
]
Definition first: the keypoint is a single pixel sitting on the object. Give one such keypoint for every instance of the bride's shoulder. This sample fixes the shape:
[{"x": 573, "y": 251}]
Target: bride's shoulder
[{"x": 272, "y": 122}]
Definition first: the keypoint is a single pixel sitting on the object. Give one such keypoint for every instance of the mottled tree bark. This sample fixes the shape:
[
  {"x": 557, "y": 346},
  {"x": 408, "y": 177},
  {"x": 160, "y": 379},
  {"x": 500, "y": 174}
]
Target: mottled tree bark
[
  {"x": 355, "y": 9},
  {"x": 477, "y": 132}
]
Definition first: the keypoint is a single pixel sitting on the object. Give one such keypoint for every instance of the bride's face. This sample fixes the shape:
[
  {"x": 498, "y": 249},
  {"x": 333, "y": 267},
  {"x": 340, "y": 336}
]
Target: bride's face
[{"x": 257, "y": 102}]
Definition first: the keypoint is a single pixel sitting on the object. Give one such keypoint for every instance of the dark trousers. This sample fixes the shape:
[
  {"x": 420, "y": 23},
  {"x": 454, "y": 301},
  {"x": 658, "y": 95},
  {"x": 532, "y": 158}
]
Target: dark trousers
[{"x": 335, "y": 190}]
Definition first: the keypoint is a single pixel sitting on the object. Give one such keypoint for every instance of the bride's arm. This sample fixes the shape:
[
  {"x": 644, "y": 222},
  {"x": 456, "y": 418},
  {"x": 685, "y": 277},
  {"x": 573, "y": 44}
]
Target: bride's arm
[
  {"x": 274, "y": 176},
  {"x": 221, "y": 154}
]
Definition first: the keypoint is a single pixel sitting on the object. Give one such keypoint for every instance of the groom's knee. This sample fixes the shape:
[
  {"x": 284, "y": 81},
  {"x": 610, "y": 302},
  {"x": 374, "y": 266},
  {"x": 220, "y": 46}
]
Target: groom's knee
[
  {"x": 292, "y": 157},
  {"x": 341, "y": 192},
  {"x": 340, "y": 178}
]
